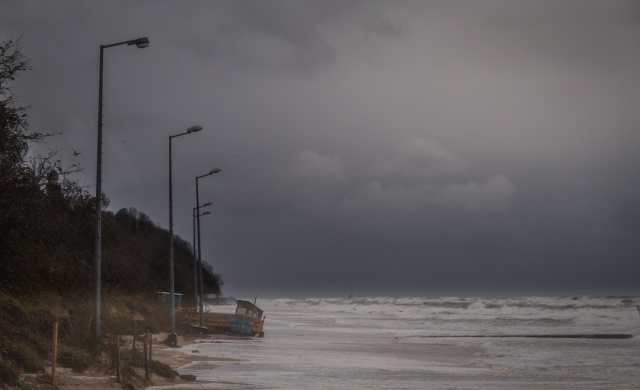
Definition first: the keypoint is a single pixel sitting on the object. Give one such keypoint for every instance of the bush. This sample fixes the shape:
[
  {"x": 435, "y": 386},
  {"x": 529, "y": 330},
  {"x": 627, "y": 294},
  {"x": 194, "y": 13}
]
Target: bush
[
  {"x": 25, "y": 358},
  {"x": 163, "y": 370},
  {"x": 8, "y": 375},
  {"x": 78, "y": 361}
]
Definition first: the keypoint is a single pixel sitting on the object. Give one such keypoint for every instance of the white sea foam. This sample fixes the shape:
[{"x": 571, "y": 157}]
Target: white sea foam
[{"x": 422, "y": 343}]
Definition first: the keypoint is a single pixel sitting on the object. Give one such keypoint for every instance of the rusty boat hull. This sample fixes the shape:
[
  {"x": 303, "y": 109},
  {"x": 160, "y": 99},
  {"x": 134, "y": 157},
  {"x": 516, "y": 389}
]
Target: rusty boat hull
[{"x": 248, "y": 320}]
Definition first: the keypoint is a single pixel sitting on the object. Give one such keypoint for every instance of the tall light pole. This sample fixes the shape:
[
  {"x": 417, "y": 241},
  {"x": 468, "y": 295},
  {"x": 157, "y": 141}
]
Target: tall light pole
[
  {"x": 173, "y": 337},
  {"x": 195, "y": 252},
  {"x": 211, "y": 172},
  {"x": 97, "y": 250}
]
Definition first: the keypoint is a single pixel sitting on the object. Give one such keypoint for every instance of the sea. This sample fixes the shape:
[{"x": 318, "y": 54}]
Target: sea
[{"x": 429, "y": 343}]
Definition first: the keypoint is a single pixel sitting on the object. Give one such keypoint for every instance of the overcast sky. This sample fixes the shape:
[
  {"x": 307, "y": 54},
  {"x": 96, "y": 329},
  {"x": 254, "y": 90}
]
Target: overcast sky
[{"x": 421, "y": 148}]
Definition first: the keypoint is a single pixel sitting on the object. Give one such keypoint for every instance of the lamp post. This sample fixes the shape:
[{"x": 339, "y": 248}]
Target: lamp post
[
  {"x": 173, "y": 337},
  {"x": 211, "y": 172},
  {"x": 97, "y": 251},
  {"x": 195, "y": 253}
]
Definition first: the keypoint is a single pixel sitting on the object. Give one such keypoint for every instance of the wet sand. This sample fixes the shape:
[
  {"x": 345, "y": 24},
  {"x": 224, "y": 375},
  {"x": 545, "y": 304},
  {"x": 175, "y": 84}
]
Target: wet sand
[{"x": 419, "y": 343}]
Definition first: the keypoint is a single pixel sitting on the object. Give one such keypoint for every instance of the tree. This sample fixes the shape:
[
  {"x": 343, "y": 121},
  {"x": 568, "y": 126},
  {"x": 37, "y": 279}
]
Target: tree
[
  {"x": 24, "y": 200},
  {"x": 15, "y": 133},
  {"x": 19, "y": 177}
]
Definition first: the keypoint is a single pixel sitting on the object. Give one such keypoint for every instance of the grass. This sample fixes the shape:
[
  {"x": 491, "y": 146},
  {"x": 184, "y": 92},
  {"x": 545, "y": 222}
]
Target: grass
[
  {"x": 77, "y": 359},
  {"x": 8, "y": 374},
  {"x": 164, "y": 370},
  {"x": 27, "y": 324}
]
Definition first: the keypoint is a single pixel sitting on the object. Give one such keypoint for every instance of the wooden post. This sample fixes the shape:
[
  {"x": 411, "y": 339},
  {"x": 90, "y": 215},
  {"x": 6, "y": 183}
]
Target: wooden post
[
  {"x": 118, "y": 358},
  {"x": 148, "y": 356},
  {"x": 135, "y": 335},
  {"x": 145, "y": 351},
  {"x": 55, "y": 353},
  {"x": 150, "y": 347}
]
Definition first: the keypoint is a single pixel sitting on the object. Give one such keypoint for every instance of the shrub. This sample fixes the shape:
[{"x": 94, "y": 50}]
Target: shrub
[
  {"x": 78, "y": 361},
  {"x": 25, "y": 358},
  {"x": 163, "y": 370},
  {"x": 8, "y": 375}
]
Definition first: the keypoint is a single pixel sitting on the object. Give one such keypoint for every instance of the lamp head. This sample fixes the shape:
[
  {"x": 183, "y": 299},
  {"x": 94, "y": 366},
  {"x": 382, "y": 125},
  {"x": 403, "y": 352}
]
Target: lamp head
[
  {"x": 207, "y": 204},
  {"x": 141, "y": 43},
  {"x": 194, "y": 128},
  {"x": 206, "y": 212},
  {"x": 215, "y": 170}
]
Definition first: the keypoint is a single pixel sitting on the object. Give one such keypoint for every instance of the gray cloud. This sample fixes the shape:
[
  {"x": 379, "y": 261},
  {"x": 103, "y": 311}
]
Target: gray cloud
[{"x": 424, "y": 148}]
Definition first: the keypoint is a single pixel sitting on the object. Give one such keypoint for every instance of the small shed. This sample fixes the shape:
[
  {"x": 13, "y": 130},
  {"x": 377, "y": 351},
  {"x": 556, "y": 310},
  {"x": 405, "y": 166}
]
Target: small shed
[{"x": 165, "y": 297}]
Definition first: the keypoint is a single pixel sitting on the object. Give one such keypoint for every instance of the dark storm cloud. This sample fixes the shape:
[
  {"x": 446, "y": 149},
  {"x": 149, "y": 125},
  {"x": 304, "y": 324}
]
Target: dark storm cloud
[
  {"x": 452, "y": 147},
  {"x": 278, "y": 36}
]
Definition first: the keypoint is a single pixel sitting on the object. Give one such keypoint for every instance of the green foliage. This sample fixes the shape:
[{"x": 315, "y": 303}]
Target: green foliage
[
  {"x": 163, "y": 370},
  {"x": 8, "y": 375},
  {"x": 76, "y": 359},
  {"x": 23, "y": 356},
  {"x": 21, "y": 341},
  {"x": 79, "y": 353}
]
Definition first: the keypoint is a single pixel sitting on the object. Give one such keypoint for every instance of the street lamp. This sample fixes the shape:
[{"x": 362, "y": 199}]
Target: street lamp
[
  {"x": 97, "y": 254},
  {"x": 211, "y": 172},
  {"x": 195, "y": 253},
  {"x": 173, "y": 337}
]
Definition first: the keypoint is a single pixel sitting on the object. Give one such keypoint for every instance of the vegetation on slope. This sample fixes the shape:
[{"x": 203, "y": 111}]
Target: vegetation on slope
[{"x": 46, "y": 252}]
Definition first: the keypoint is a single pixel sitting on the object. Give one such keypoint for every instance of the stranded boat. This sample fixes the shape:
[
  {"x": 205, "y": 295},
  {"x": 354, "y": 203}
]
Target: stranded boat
[{"x": 247, "y": 320}]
